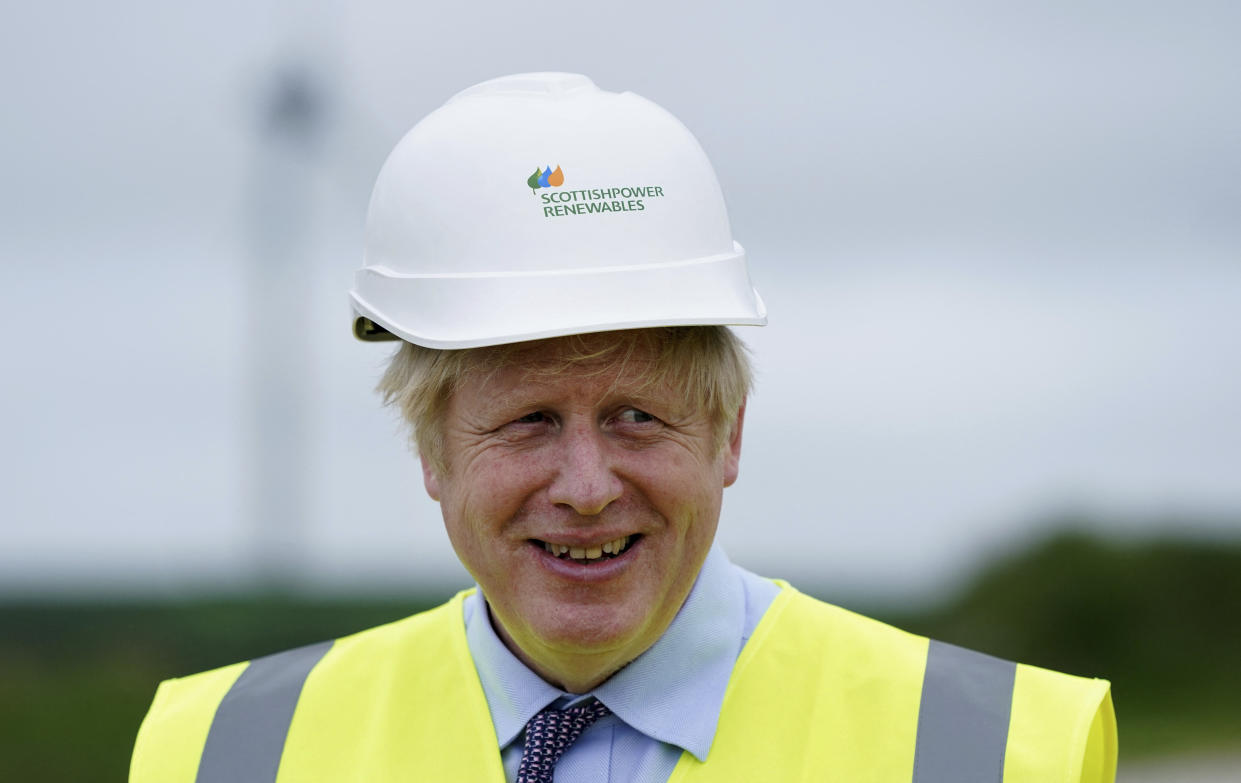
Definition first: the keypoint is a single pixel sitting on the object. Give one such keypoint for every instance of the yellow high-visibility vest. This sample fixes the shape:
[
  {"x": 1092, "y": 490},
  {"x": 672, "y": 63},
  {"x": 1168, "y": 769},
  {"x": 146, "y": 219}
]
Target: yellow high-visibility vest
[{"x": 818, "y": 694}]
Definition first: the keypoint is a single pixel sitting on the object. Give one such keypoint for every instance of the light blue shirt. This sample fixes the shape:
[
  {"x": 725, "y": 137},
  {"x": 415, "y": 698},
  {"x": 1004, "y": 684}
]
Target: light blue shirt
[{"x": 663, "y": 703}]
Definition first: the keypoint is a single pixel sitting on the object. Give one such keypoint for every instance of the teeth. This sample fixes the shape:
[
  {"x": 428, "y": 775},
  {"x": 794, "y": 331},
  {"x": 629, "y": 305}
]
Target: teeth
[{"x": 588, "y": 553}]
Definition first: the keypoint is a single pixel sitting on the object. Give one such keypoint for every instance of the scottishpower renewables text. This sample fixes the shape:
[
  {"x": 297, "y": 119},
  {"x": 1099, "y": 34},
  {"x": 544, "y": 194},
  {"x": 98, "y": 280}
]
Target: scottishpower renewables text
[{"x": 582, "y": 202}]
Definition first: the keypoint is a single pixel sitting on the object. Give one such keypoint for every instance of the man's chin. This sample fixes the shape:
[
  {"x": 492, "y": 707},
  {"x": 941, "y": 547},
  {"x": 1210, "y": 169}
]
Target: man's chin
[{"x": 573, "y": 631}]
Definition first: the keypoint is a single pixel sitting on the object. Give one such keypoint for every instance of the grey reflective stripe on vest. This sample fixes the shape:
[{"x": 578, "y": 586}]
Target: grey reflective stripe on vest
[
  {"x": 248, "y": 731},
  {"x": 963, "y": 719}
]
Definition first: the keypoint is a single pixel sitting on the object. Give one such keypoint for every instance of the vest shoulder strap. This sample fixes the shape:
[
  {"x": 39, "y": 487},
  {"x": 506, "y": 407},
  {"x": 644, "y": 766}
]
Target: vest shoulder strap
[
  {"x": 818, "y": 693},
  {"x": 373, "y": 706},
  {"x": 398, "y": 702},
  {"x": 822, "y": 693}
]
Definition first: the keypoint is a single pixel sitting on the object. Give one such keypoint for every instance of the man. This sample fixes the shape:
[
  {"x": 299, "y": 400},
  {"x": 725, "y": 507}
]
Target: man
[{"x": 578, "y": 407}]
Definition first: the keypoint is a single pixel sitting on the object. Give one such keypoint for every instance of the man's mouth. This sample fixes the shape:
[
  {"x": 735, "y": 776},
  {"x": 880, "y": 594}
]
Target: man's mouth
[{"x": 590, "y": 554}]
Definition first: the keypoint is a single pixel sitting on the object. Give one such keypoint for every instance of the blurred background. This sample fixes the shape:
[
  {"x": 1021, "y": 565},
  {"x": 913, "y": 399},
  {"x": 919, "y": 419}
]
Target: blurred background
[{"x": 999, "y": 397}]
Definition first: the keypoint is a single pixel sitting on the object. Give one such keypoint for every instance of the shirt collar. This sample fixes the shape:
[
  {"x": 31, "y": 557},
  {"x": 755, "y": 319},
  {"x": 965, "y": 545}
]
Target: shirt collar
[
  {"x": 514, "y": 693},
  {"x": 684, "y": 673}
]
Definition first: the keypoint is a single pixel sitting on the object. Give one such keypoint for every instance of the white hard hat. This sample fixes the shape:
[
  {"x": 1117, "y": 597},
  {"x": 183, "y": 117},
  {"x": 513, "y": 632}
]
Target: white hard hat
[{"x": 538, "y": 205}]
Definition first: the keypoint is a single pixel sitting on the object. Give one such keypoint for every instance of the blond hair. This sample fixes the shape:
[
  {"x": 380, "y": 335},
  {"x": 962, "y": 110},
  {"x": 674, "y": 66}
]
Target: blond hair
[{"x": 708, "y": 363}]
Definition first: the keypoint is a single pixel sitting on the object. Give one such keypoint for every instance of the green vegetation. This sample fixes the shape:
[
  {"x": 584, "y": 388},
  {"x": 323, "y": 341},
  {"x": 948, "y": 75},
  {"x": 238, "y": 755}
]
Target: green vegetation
[{"x": 1161, "y": 619}]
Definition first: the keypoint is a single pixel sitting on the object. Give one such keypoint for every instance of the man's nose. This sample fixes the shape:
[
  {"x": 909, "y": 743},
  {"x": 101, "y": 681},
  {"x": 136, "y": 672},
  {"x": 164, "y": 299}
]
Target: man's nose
[{"x": 586, "y": 480}]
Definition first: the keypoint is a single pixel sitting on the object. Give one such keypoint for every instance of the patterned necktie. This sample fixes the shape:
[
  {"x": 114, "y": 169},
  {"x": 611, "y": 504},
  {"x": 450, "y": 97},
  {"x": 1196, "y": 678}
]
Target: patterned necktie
[{"x": 549, "y": 734}]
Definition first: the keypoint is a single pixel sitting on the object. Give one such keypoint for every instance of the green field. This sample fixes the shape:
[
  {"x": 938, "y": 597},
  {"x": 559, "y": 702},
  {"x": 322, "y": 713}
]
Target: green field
[{"x": 1161, "y": 619}]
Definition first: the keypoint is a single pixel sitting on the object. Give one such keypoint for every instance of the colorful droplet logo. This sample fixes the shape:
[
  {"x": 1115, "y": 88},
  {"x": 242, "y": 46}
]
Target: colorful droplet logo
[{"x": 546, "y": 178}]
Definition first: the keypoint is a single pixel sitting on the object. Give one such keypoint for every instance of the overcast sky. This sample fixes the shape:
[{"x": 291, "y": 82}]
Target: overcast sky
[{"x": 1000, "y": 247}]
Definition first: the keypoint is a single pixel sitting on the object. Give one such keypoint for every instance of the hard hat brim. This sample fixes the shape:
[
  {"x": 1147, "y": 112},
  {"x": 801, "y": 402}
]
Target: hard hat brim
[{"x": 446, "y": 311}]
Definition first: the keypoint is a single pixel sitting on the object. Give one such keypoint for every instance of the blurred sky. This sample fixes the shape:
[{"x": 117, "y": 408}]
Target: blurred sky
[{"x": 1000, "y": 245}]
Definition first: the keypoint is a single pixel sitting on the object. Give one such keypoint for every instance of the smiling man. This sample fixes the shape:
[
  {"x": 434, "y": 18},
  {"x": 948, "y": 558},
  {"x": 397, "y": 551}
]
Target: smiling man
[
  {"x": 577, "y": 399},
  {"x": 583, "y": 494}
]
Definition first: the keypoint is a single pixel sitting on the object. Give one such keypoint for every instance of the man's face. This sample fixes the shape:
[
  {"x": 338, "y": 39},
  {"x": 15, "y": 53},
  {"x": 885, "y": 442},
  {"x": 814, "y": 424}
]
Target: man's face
[{"x": 580, "y": 460}]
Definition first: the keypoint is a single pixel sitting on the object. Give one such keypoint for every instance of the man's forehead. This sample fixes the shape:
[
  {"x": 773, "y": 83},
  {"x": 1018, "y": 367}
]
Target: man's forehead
[{"x": 604, "y": 364}]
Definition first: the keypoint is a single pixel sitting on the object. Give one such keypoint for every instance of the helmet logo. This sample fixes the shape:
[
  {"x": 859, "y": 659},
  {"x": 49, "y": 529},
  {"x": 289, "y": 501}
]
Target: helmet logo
[
  {"x": 587, "y": 201},
  {"x": 546, "y": 178}
]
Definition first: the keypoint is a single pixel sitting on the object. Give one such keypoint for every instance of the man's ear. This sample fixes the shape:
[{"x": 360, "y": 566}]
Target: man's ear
[
  {"x": 732, "y": 449},
  {"x": 430, "y": 479}
]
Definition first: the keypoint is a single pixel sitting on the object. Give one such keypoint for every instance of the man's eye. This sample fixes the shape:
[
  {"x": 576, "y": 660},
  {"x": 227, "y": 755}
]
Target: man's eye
[
  {"x": 635, "y": 416},
  {"x": 532, "y": 418}
]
